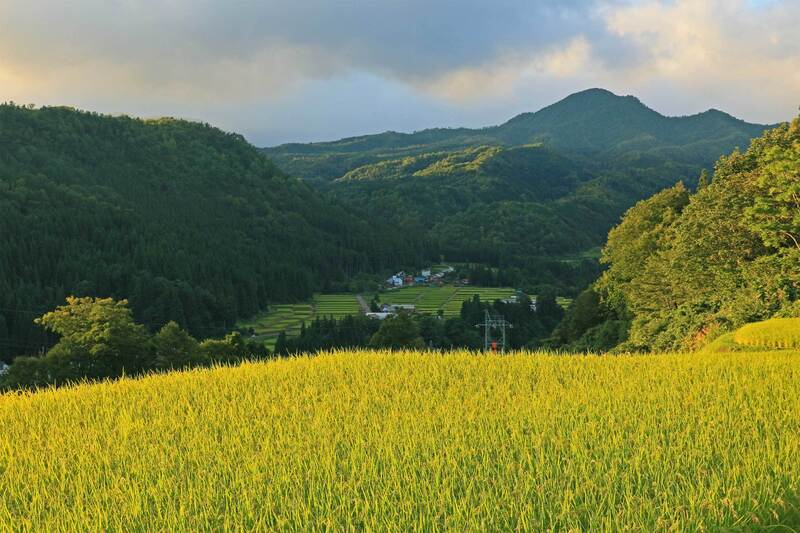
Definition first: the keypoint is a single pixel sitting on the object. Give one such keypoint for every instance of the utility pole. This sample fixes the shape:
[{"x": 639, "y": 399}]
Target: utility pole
[{"x": 493, "y": 322}]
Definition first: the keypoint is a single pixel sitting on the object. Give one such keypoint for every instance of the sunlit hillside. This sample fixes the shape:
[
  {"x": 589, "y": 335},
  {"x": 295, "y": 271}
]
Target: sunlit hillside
[{"x": 412, "y": 441}]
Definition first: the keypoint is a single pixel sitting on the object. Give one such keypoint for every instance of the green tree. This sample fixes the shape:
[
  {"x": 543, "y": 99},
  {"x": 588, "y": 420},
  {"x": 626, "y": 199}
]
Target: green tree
[
  {"x": 775, "y": 214},
  {"x": 396, "y": 332},
  {"x": 704, "y": 180},
  {"x": 104, "y": 330},
  {"x": 175, "y": 348},
  {"x": 280, "y": 344}
]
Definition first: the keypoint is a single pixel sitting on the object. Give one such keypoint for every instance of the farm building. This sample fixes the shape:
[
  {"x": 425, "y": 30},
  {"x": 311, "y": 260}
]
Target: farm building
[{"x": 395, "y": 281}]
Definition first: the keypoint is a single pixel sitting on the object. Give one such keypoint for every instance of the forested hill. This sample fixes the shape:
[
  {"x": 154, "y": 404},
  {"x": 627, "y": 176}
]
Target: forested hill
[
  {"x": 685, "y": 267},
  {"x": 594, "y": 123},
  {"x": 534, "y": 193},
  {"x": 188, "y": 222}
]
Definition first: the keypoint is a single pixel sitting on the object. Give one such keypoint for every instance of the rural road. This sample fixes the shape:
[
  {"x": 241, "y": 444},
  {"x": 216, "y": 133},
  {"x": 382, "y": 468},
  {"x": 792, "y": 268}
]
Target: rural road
[{"x": 363, "y": 303}]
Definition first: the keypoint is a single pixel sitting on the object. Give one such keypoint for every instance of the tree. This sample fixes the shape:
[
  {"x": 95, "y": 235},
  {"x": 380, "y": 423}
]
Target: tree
[
  {"x": 704, "y": 180},
  {"x": 280, "y": 344},
  {"x": 397, "y": 332},
  {"x": 104, "y": 330},
  {"x": 175, "y": 348},
  {"x": 775, "y": 215}
]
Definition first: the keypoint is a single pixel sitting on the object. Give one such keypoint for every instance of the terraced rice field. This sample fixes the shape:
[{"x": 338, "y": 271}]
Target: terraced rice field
[
  {"x": 449, "y": 299},
  {"x": 486, "y": 294},
  {"x": 335, "y": 305},
  {"x": 286, "y": 317},
  {"x": 289, "y": 317}
]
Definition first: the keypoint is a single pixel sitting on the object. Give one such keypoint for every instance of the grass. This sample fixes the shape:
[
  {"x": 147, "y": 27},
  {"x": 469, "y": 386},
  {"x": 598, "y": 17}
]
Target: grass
[{"x": 414, "y": 442}]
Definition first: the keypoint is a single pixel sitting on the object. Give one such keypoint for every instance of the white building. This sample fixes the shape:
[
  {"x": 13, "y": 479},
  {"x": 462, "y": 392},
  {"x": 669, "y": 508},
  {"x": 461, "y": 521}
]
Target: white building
[{"x": 395, "y": 281}]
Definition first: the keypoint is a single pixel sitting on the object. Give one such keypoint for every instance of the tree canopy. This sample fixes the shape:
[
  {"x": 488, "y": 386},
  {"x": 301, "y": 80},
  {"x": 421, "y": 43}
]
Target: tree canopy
[{"x": 684, "y": 268}]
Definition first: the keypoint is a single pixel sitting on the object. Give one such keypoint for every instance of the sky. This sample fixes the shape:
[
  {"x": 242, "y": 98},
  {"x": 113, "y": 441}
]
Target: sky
[{"x": 310, "y": 70}]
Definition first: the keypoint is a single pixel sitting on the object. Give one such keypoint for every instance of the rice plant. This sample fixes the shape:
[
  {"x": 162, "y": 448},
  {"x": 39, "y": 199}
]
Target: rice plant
[{"x": 414, "y": 442}]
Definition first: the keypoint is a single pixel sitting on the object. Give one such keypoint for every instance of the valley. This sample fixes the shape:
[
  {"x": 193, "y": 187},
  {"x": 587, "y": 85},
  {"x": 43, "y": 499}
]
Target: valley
[{"x": 519, "y": 266}]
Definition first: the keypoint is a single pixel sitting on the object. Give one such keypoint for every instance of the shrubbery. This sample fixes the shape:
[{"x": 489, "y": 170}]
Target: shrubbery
[{"x": 99, "y": 339}]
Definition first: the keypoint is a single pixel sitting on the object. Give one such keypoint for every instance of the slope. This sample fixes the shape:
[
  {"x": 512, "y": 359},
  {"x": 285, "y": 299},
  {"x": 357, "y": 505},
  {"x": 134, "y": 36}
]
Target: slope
[
  {"x": 594, "y": 122},
  {"x": 190, "y": 223},
  {"x": 411, "y": 441}
]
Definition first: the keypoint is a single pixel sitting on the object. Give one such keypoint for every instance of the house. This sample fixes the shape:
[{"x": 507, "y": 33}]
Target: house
[
  {"x": 395, "y": 281},
  {"x": 409, "y": 308},
  {"x": 426, "y": 273},
  {"x": 378, "y": 316},
  {"x": 3, "y": 368}
]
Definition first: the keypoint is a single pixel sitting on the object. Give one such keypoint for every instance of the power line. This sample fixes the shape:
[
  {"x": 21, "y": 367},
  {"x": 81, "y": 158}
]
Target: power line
[{"x": 490, "y": 323}]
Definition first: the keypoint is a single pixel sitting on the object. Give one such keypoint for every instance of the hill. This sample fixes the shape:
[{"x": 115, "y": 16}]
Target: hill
[
  {"x": 595, "y": 123},
  {"x": 411, "y": 441},
  {"x": 772, "y": 334},
  {"x": 687, "y": 266},
  {"x": 534, "y": 195},
  {"x": 189, "y": 223}
]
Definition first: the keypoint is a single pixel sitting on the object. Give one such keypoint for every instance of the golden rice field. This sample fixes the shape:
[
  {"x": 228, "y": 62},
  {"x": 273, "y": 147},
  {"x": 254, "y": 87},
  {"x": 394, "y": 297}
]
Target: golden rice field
[
  {"x": 414, "y": 442},
  {"x": 773, "y": 333}
]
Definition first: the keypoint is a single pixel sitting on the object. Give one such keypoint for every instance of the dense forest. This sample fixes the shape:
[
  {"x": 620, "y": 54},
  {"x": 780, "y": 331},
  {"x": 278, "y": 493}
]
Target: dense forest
[
  {"x": 536, "y": 194},
  {"x": 187, "y": 222},
  {"x": 594, "y": 123},
  {"x": 685, "y": 267},
  {"x": 194, "y": 225}
]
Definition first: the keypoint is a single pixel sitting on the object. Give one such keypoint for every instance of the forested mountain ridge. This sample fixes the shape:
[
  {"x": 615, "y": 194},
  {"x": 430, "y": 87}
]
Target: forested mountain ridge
[
  {"x": 594, "y": 123},
  {"x": 530, "y": 194},
  {"x": 685, "y": 267},
  {"x": 189, "y": 223}
]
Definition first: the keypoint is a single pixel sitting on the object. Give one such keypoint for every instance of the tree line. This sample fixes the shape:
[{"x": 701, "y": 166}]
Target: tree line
[
  {"x": 533, "y": 325},
  {"x": 684, "y": 267},
  {"x": 188, "y": 223}
]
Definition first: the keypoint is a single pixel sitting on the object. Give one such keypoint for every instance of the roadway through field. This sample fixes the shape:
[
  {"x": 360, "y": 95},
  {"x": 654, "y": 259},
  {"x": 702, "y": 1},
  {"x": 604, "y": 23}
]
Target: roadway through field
[{"x": 363, "y": 303}]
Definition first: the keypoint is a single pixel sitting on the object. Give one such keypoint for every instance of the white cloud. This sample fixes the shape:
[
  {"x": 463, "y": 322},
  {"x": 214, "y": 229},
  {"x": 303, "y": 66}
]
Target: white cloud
[
  {"x": 742, "y": 56},
  {"x": 506, "y": 75}
]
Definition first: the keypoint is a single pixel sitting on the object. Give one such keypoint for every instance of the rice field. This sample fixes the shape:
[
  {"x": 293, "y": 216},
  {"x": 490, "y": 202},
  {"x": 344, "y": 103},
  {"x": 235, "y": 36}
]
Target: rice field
[
  {"x": 414, "y": 442},
  {"x": 773, "y": 333},
  {"x": 335, "y": 305},
  {"x": 447, "y": 298},
  {"x": 286, "y": 317},
  {"x": 290, "y": 317}
]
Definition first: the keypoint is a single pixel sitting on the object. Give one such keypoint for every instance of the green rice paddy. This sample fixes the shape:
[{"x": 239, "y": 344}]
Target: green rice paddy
[
  {"x": 447, "y": 299},
  {"x": 430, "y": 300},
  {"x": 290, "y": 317}
]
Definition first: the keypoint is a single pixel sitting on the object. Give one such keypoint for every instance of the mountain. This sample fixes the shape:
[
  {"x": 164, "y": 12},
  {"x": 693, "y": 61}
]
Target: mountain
[
  {"x": 189, "y": 223},
  {"x": 536, "y": 194},
  {"x": 593, "y": 123},
  {"x": 686, "y": 267}
]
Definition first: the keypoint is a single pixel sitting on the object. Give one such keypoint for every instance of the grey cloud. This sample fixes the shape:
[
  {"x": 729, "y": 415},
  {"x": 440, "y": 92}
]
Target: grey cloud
[{"x": 410, "y": 39}]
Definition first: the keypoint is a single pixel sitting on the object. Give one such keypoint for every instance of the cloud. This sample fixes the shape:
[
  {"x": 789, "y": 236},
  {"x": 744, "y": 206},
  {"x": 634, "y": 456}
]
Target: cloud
[
  {"x": 237, "y": 46},
  {"x": 241, "y": 62},
  {"x": 504, "y": 76},
  {"x": 742, "y": 54}
]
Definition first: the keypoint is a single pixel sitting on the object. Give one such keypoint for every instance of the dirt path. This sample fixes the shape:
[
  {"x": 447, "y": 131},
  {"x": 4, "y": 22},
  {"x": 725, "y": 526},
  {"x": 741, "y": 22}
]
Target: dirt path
[{"x": 363, "y": 303}]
